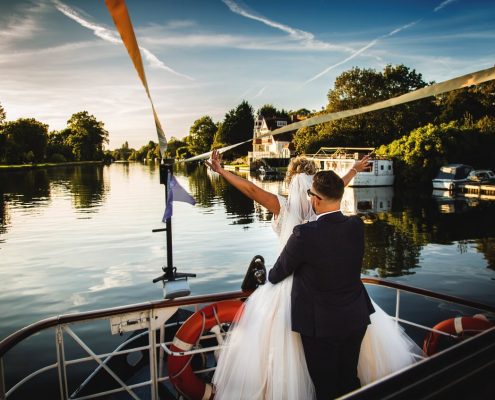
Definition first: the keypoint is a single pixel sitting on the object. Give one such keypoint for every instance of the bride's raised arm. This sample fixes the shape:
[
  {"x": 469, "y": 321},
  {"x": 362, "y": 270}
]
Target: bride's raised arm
[
  {"x": 266, "y": 199},
  {"x": 359, "y": 166}
]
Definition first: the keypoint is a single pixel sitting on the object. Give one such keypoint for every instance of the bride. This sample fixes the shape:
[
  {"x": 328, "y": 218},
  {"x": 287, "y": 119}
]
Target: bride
[{"x": 263, "y": 357}]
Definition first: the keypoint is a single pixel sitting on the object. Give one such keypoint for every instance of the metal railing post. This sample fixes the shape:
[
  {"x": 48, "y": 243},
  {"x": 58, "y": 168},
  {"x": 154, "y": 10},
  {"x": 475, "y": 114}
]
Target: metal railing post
[
  {"x": 62, "y": 373},
  {"x": 2, "y": 379},
  {"x": 397, "y": 307},
  {"x": 153, "y": 360}
]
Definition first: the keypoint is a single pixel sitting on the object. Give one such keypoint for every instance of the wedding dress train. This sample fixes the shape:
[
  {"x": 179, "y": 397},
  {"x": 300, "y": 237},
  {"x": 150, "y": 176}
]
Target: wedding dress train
[{"x": 264, "y": 359}]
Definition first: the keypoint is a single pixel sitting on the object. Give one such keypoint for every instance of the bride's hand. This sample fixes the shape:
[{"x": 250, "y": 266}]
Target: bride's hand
[
  {"x": 360, "y": 165},
  {"x": 215, "y": 161}
]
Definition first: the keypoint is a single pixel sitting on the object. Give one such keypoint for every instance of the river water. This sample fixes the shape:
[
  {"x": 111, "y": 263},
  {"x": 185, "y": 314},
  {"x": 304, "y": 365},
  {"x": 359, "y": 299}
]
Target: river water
[{"x": 80, "y": 238}]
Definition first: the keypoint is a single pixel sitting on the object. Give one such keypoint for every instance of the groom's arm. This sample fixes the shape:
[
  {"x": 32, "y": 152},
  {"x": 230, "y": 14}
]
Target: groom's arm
[{"x": 290, "y": 258}]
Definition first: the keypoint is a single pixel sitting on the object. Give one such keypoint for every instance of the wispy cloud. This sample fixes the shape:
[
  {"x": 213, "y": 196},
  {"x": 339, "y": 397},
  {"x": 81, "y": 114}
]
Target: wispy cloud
[
  {"x": 23, "y": 26},
  {"x": 443, "y": 4},
  {"x": 306, "y": 38},
  {"x": 112, "y": 37},
  {"x": 361, "y": 50},
  {"x": 260, "y": 92}
]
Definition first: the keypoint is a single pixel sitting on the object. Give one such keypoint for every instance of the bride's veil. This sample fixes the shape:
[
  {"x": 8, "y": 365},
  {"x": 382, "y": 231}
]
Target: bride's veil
[{"x": 298, "y": 208}]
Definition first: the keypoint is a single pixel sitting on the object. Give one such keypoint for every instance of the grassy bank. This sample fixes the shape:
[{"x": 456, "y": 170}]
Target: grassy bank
[{"x": 4, "y": 167}]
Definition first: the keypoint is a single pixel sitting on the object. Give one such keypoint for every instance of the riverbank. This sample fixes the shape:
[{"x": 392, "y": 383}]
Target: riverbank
[{"x": 4, "y": 167}]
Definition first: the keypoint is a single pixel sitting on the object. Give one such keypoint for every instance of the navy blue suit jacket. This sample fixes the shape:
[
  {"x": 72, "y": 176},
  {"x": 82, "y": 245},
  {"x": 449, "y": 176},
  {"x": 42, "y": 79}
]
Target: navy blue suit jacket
[{"x": 328, "y": 298}]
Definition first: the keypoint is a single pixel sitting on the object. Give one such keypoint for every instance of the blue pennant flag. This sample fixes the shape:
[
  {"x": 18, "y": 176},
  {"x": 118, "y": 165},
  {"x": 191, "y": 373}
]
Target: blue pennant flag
[{"x": 175, "y": 193}]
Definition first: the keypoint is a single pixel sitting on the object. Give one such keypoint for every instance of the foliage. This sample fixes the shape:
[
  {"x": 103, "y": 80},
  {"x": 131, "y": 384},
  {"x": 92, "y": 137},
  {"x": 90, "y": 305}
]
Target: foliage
[
  {"x": 361, "y": 87},
  {"x": 3, "y": 116},
  {"x": 144, "y": 153},
  {"x": 419, "y": 155},
  {"x": 269, "y": 111},
  {"x": 123, "y": 153},
  {"x": 58, "y": 143},
  {"x": 475, "y": 101},
  {"x": 24, "y": 140},
  {"x": 173, "y": 145},
  {"x": 237, "y": 126},
  {"x": 87, "y": 136},
  {"x": 201, "y": 135}
]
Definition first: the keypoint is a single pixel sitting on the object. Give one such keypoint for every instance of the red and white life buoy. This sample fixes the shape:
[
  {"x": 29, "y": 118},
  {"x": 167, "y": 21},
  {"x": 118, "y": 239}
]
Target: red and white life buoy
[
  {"x": 461, "y": 327},
  {"x": 179, "y": 367}
]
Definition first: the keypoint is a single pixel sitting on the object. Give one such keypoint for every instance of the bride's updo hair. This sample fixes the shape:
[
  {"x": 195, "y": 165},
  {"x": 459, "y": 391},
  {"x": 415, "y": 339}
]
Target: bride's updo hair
[{"x": 300, "y": 165}]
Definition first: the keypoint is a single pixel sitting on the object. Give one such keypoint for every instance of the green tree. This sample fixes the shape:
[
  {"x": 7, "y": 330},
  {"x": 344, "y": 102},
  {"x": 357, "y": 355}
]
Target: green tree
[
  {"x": 201, "y": 135},
  {"x": 419, "y": 155},
  {"x": 88, "y": 136},
  {"x": 25, "y": 140},
  {"x": 269, "y": 111},
  {"x": 58, "y": 147},
  {"x": 475, "y": 101},
  {"x": 237, "y": 127},
  {"x": 360, "y": 87},
  {"x": 123, "y": 153},
  {"x": 3, "y": 116},
  {"x": 172, "y": 146}
]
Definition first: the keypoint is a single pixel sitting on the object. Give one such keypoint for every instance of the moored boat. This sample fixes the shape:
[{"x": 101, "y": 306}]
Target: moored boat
[
  {"x": 450, "y": 175},
  {"x": 340, "y": 159}
]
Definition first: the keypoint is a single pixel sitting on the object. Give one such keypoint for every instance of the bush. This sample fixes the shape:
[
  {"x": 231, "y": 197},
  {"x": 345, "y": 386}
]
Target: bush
[{"x": 57, "y": 158}]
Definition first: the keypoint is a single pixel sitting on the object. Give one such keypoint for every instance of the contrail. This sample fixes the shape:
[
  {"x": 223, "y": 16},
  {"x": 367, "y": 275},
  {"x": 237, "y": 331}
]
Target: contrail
[
  {"x": 295, "y": 34},
  {"x": 362, "y": 49},
  {"x": 442, "y": 5},
  {"x": 112, "y": 37}
]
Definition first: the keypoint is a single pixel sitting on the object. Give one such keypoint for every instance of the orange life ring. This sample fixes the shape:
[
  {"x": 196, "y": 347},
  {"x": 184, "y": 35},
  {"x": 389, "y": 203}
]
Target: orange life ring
[
  {"x": 179, "y": 367},
  {"x": 461, "y": 327}
]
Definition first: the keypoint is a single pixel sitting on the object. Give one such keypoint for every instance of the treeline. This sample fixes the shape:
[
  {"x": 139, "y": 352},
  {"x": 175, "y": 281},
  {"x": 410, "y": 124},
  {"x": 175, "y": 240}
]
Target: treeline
[
  {"x": 205, "y": 135},
  {"x": 458, "y": 126},
  {"x": 27, "y": 140}
]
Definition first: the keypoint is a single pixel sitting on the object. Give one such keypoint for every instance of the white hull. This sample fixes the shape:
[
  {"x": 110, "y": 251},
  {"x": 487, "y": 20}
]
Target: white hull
[{"x": 381, "y": 174}]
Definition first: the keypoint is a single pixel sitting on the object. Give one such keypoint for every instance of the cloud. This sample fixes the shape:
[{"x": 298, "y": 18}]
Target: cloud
[
  {"x": 23, "y": 26},
  {"x": 361, "y": 50},
  {"x": 443, "y": 4},
  {"x": 112, "y": 37},
  {"x": 307, "y": 38}
]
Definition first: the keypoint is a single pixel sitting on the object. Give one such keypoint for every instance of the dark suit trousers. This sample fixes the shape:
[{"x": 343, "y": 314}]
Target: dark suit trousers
[{"x": 332, "y": 363}]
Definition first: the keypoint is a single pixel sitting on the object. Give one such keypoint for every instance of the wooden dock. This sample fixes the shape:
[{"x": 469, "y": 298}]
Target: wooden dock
[{"x": 474, "y": 190}]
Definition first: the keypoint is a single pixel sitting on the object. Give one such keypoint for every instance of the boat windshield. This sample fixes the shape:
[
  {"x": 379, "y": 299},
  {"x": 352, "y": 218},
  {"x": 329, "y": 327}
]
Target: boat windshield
[{"x": 454, "y": 172}]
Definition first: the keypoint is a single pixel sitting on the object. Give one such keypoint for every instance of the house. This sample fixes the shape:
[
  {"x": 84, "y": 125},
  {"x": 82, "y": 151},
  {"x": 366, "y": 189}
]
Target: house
[{"x": 274, "y": 150}]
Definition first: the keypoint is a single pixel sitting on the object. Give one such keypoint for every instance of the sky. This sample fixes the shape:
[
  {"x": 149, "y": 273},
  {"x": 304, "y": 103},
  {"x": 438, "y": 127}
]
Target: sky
[{"x": 203, "y": 57}]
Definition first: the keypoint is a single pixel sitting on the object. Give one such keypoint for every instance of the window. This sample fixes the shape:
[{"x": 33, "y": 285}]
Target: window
[{"x": 281, "y": 123}]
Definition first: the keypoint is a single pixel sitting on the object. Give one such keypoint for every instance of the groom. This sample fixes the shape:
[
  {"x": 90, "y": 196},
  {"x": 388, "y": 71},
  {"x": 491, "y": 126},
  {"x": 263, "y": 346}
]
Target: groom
[{"x": 329, "y": 305}]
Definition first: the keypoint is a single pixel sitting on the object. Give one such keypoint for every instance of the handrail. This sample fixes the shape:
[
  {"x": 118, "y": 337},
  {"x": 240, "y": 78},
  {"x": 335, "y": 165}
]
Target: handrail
[
  {"x": 16, "y": 337},
  {"x": 429, "y": 293},
  {"x": 23, "y": 333}
]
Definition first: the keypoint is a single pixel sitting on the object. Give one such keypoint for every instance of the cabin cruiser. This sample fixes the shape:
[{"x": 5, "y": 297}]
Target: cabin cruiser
[
  {"x": 450, "y": 175},
  {"x": 380, "y": 171}
]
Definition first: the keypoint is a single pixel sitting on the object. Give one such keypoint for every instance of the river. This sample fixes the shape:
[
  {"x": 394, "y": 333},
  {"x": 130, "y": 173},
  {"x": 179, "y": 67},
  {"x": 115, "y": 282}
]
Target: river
[{"x": 79, "y": 238}]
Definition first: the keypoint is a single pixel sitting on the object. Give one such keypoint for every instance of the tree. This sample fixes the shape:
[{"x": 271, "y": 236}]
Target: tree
[
  {"x": 237, "y": 127},
  {"x": 123, "y": 153},
  {"x": 269, "y": 111},
  {"x": 24, "y": 140},
  {"x": 201, "y": 135},
  {"x": 88, "y": 136},
  {"x": 58, "y": 147},
  {"x": 475, "y": 101},
  {"x": 174, "y": 144},
  {"x": 360, "y": 87},
  {"x": 3, "y": 116}
]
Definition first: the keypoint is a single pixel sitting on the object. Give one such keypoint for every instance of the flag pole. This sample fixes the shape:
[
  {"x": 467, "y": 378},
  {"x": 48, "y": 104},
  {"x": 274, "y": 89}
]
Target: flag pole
[{"x": 166, "y": 171}]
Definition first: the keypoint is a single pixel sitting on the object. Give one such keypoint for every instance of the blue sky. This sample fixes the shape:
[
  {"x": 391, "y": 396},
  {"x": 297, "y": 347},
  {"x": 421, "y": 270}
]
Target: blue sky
[{"x": 205, "y": 57}]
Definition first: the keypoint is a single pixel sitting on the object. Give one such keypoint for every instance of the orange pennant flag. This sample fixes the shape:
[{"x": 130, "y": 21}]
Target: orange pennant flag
[{"x": 120, "y": 16}]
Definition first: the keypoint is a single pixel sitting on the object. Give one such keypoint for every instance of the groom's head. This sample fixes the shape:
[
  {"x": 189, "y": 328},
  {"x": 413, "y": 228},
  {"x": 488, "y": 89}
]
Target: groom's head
[{"x": 326, "y": 192}]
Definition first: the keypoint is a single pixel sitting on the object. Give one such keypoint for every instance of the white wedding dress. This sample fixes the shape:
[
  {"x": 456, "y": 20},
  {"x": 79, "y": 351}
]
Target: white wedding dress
[{"x": 264, "y": 359}]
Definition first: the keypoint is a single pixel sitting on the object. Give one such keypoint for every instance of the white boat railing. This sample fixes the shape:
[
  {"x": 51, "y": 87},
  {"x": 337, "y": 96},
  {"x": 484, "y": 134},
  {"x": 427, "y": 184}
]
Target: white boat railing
[{"x": 150, "y": 316}]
